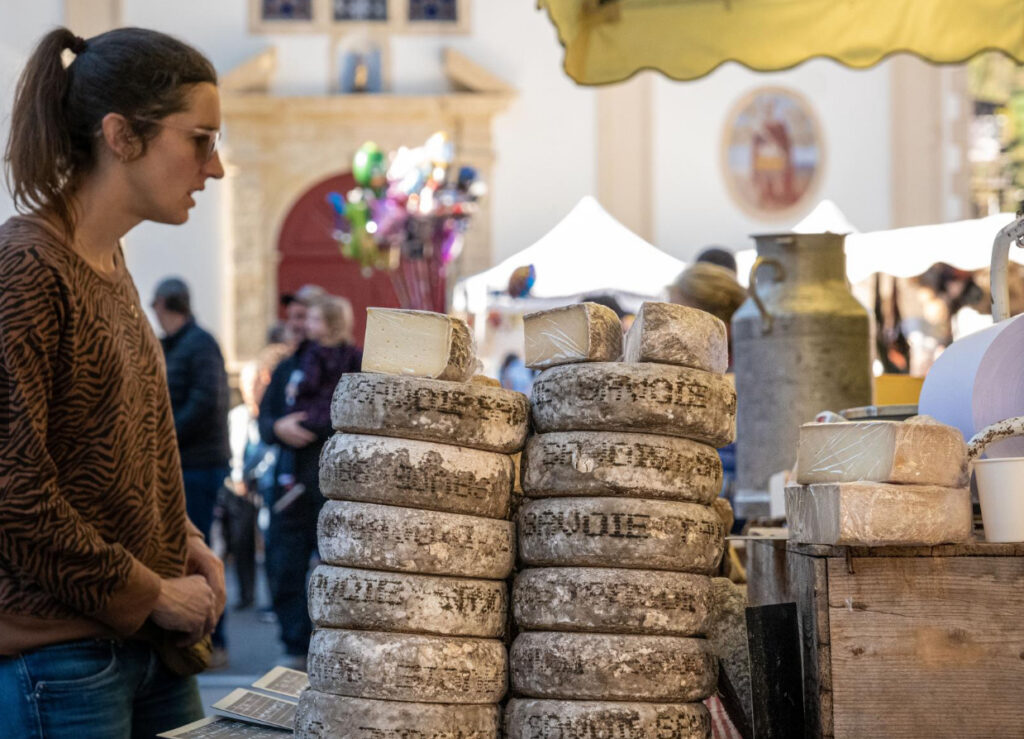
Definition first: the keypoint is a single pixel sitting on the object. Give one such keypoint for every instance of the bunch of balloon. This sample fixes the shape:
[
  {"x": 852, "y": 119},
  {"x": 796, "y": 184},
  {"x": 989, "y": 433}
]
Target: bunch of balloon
[{"x": 407, "y": 216}]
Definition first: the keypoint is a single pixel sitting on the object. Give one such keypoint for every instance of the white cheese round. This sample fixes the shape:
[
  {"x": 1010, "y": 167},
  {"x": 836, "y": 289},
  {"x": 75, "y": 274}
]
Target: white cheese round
[
  {"x": 610, "y": 463},
  {"x": 346, "y": 598},
  {"x": 643, "y": 398},
  {"x": 605, "y": 667},
  {"x": 459, "y": 413},
  {"x": 381, "y": 537},
  {"x": 407, "y": 667},
  {"x": 611, "y": 600},
  {"x": 416, "y": 474},
  {"x": 527, "y": 718},
  {"x": 620, "y": 532},
  {"x": 325, "y": 716}
]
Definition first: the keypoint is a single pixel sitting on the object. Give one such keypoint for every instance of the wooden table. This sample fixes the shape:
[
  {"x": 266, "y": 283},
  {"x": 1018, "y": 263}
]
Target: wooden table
[{"x": 903, "y": 641}]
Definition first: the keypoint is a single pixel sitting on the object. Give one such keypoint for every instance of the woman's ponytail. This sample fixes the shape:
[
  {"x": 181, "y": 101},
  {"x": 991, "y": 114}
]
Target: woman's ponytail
[{"x": 38, "y": 160}]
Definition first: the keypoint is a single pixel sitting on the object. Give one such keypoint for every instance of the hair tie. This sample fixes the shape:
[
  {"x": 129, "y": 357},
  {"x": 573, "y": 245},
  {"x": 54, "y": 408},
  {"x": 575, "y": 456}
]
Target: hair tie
[{"x": 77, "y": 45}]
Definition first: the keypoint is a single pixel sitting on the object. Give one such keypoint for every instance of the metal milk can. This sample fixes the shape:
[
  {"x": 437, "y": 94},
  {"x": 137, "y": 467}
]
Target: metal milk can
[{"x": 801, "y": 345}]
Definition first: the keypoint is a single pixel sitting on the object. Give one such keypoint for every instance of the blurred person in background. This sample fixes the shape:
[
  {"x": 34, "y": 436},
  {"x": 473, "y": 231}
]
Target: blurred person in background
[
  {"x": 713, "y": 289},
  {"x": 718, "y": 255},
  {"x": 300, "y": 435},
  {"x": 198, "y": 386},
  {"x": 252, "y": 471}
]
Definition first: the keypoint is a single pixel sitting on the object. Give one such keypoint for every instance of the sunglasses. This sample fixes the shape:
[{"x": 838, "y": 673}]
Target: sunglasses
[{"x": 205, "y": 139}]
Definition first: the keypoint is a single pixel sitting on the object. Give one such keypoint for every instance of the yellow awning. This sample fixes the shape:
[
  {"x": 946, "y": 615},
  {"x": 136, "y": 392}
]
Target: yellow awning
[{"x": 609, "y": 40}]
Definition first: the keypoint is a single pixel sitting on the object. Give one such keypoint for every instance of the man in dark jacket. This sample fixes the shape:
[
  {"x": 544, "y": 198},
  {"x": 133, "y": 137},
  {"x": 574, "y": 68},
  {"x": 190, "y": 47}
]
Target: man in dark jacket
[{"x": 199, "y": 398}]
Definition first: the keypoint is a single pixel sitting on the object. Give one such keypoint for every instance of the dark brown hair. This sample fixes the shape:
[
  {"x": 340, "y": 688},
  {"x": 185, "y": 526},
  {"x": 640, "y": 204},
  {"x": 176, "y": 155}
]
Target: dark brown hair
[{"x": 58, "y": 111}]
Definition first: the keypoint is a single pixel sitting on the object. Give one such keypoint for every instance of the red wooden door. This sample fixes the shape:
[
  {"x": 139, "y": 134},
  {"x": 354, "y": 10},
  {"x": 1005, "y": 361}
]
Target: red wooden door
[{"x": 309, "y": 255}]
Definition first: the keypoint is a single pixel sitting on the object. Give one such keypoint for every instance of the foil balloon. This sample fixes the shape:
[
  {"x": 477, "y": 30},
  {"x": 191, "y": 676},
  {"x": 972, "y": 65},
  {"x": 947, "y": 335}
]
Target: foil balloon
[
  {"x": 369, "y": 166},
  {"x": 521, "y": 281}
]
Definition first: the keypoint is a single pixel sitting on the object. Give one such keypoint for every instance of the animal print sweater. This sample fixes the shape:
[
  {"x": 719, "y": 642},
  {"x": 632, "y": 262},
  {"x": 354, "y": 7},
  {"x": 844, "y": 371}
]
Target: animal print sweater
[{"x": 92, "y": 506}]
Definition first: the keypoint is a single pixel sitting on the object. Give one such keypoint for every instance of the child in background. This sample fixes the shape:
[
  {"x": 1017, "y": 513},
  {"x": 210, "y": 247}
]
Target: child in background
[
  {"x": 329, "y": 326},
  {"x": 311, "y": 387}
]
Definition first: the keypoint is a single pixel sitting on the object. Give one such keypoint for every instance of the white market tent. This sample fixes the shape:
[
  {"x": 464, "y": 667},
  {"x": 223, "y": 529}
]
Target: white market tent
[
  {"x": 587, "y": 252},
  {"x": 907, "y": 252}
]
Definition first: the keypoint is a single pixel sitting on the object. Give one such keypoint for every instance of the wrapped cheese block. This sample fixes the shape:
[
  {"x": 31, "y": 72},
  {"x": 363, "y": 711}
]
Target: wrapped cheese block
[
  {"x": 584, "y": 332},
  {"x": 676, "y": 334},
  {"x": 914, "y": 452},
  {"x": 877, "y": 514},
  {"x": 418, "y": 343}
]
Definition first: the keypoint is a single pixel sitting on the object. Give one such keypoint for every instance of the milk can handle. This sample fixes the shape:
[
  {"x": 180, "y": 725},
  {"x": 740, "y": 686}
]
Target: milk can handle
[
  {"x": 766, "y": 318},
  {"x": 1008, "y": 236},
  {"x": 1007, "y": 429}
]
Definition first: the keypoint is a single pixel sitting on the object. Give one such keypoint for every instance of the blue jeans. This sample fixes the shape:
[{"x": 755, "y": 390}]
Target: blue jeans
[
  {"x": 94, "y": 689},
  {"x": 202, "y": 484}
]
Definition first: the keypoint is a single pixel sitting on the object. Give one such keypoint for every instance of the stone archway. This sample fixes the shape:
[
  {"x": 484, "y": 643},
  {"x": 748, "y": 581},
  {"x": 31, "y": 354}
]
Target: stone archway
[{"x": 308, "y": 254}]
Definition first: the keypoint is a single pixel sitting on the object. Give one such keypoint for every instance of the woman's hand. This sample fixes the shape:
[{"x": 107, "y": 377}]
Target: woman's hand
[
  {"x": 186, "y": 605},
  {"x": 201, "y": 560}
]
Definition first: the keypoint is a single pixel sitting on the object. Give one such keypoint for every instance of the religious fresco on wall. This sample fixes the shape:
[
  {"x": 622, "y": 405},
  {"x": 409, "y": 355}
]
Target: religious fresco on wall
[{"x": 772, "y": 153}]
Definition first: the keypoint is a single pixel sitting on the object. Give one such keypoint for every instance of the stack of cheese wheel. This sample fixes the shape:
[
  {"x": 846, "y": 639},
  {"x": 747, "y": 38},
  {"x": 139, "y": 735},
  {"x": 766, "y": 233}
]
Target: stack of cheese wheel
[
  {"x": 410, "y": 605},
  {"x": 619, "y": 538}
]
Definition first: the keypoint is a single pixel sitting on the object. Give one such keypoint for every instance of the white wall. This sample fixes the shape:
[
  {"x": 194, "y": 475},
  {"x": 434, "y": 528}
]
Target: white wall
[{"x": 693, "y": 207}]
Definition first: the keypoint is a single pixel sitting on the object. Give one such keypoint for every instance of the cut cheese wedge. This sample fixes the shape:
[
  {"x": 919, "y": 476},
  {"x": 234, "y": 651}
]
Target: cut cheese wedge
[
  {"x": 676, "y": 334},
  {"x": 877, "y": 514},
  {"x": 882, "y": 451},
  {"x": 418, "y": 343},
  {"x": 585, "y": 332}
]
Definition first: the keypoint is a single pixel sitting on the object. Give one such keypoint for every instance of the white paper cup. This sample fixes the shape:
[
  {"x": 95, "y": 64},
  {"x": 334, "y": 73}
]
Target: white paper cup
[{"x": 1001, "y": 493}]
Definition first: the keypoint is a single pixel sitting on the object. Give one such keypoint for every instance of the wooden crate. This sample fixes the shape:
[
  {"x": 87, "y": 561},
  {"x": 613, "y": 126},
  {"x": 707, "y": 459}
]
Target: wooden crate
[{"x": 903, "y": 641}]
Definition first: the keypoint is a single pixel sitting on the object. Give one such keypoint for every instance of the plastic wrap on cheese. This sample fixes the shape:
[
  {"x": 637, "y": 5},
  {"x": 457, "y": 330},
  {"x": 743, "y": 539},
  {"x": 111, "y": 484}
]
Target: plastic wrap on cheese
[
  {"x": 878, "y": 514},
  {"x": 584, "y": 332},
  {"x": 915, "y": 452},
  {"x": 418, "y": 344}
]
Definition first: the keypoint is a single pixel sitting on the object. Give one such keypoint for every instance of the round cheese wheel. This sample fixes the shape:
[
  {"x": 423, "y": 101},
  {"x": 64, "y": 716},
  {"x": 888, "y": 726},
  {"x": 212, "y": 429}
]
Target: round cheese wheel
[
  {"x": 461, "y": 413},
  {"x": 346, "y": 598},
  {"x": 620, "y": 532},
  {"x": 610, "y": 463},
  {"x": 527, "y": 718},
  {"x": 325, "y": 716},
  {"x": 613, "y": 601},
  {"x": 606, "y": 667},
  {"x": 416, "y": 474},
  {"x": 643, "y": 398},
  {"x": 407, "y": 667},
  {"x": 382, "y": 537}
]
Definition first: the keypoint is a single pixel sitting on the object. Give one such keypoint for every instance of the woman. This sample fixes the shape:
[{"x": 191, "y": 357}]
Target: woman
[{"x": 107, "y": 592}]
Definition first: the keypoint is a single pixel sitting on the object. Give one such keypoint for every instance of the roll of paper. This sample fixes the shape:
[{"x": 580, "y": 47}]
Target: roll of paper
[{"x": 978, "y": 381}]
